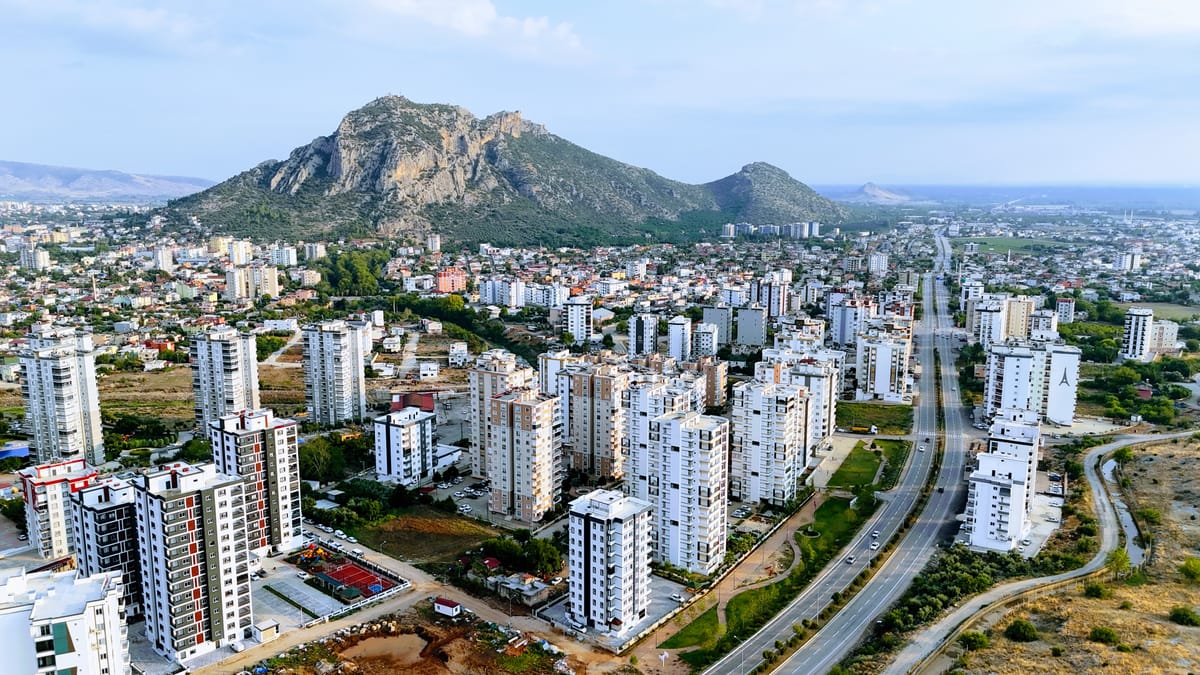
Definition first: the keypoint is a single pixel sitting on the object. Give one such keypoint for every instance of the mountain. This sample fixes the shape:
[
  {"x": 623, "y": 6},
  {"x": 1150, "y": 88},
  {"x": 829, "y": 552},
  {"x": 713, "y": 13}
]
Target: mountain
[
  {"x": 401, "y": 168},
  {"x": 871, "y": 193},
  {"x": 42, "y": 183}
]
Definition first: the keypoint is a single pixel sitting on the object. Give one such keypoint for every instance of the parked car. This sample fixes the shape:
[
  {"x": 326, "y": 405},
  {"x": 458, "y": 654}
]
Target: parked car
[
  {"x": 303, "y": 575},
  {"x": 352, "y": 540},
  {"x": 459, "y": 495},
  {"x": 677, "y": 597},
  {"x": 556, "y": 581}
]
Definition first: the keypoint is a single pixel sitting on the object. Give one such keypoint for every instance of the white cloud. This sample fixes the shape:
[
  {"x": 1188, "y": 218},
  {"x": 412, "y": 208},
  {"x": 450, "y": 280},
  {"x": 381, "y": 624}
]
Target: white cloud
[
  {"x": 149, "y": 26},
  {"x": 481, "y": 19}
]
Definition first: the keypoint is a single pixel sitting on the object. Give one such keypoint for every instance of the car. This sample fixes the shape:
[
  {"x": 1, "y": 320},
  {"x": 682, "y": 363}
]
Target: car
[
  {"x": 1026, "y": 542},
  {"x": 464, "y": 508},
  {"x": 875, "y": 534},
  {"x": 303, "y": 575},
  {"x": 555, "y": 581},
  {"x": 921, "y": 448},
  {"x": 352, "y": 540},
  {"x": 457, "y": 480},
  {"x": 850, "y": 559},
  {"x": 442, "y": 486},
  {"x": 339, "y": 534},
  {"x": 459, "y": 495},
  {"x": 677, "y": 597},
  {"x": 308, "y": 521},
  {"x": 23, "y": 537},
  {"x": 874, "y": 546}
]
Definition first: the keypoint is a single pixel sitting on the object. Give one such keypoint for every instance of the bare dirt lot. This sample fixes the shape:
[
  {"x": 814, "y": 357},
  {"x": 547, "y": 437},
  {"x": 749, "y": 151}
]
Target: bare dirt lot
[
  {"x": 1165, "y": 479},
  {"x": 425, "y": 535}
]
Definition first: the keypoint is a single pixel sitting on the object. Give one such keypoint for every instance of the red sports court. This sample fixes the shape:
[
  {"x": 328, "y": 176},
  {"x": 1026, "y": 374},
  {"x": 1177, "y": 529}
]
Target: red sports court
[{"x": 353, "y": 574}]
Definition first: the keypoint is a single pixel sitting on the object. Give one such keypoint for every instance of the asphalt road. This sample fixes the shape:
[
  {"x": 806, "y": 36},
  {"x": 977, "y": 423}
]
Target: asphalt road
[
  {"x": 845, "y": 629},
  {"x": 929, "y": 639}
]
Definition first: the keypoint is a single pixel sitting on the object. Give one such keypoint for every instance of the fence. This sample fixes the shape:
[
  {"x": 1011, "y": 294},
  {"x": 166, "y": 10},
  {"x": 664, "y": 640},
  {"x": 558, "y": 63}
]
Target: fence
[{"x": 402, "y": 585}]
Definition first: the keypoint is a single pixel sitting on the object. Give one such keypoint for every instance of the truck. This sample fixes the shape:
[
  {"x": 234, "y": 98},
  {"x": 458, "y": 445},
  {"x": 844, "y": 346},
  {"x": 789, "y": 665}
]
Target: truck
[{"x": 865, "y": 430}]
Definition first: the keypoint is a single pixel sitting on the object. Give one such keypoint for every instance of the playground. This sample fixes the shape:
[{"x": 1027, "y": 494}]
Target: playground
[{"x": 341, "y": 576}]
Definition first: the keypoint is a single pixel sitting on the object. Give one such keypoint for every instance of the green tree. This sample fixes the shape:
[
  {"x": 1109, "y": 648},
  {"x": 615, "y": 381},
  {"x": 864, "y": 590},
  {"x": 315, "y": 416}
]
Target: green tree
[
  {"x": 972, "y": 640},
  {"x": 1117, "y": 562},
  {"x": 542, "y": 557},
  {"x": 1123, "y": 455},
  {"x": 1104, "y": 635},
  {"x": 1190, "y": 569}
]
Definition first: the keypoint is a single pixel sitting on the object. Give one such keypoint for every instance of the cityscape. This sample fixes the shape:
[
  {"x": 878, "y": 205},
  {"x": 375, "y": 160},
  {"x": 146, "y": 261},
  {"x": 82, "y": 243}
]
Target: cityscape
[{"x": 915, "y": 390}]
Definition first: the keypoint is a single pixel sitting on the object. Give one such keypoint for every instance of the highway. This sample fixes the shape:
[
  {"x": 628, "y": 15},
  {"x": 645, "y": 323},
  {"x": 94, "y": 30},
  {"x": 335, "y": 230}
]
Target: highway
[{"x": 840, "y": 635}]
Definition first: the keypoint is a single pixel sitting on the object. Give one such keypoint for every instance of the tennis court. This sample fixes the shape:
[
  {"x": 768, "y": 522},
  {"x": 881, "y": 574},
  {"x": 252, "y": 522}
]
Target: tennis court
[{"x": 352, "y": 574}]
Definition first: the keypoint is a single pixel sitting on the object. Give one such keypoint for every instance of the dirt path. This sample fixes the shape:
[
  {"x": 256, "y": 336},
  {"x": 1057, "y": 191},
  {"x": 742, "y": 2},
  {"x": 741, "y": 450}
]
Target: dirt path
[{"x": 752, "y": 573}]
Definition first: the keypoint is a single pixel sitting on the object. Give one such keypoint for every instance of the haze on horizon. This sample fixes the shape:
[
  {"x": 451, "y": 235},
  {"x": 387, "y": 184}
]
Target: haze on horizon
[{"x": 833, "y": 91}]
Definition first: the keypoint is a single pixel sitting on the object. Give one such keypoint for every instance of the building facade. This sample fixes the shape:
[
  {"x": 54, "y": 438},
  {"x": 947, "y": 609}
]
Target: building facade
[
  {"x": 593, "y": 421},
  {"x": 608, "y": 559},
  {"x": 495, "y": 372},
  {"x": 335, "y": 388},
  {"x": 769, "y": 447},
  {"x": 1000, "y": 491},
  {"x": 62, "y": 402},
  {"x": 679, "y": 338},
  {"x": 404, "y": 446},
  {"x": 224, "y": 373},
  {"x": 577, "y": 318},
  {"x": 104, "y": 526},
  {"x": 523, "y": 444},
  {"x": 1038, "y": 376},
  {"x": 643, "y": 334},
  {"x": 47, "y": 489}
]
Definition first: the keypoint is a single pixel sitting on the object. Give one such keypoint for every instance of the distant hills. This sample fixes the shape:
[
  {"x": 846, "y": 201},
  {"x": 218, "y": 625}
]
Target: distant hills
[
  {"x": 871, "y": 193},
  {"x": 404, "y": 169},
  {"x": 20, "y": 181}
]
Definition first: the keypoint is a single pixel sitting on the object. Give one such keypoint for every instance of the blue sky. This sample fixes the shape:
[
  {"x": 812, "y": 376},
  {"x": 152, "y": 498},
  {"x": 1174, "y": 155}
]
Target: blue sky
[{"x": 834, "y": 91}]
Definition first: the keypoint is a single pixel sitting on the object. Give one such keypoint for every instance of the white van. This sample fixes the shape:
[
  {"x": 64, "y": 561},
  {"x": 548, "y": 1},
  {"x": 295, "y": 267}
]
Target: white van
[{"x": 356, "y": 551}]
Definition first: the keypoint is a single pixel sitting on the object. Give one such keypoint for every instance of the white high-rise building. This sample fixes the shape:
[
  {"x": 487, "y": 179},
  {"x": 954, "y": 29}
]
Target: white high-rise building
[
  {"x": 1066, "y": 310},
  {"x": 991, "y": 321},
  {"x": 689, "y": 489},
  {"x": 550, "y": 364},
  {"x": 54, "y": 623},
  {"x": 769, "y": 449},
  {"x": 224, "y": 373},
  {"x": 704, "y": 340},
  {"x": 972, "y": 289},
  {"x": 283, "y": 256},
  {"x": 404, "y": 451},
  {"x": 47, "y": 490},
  {"x": 849, "y": 317},
  {"x": 642, "y": 402},
  {"x": 251, "y": 282},
  {"x": 62, "y": 403},
  {"x": 1137, "y": 338},
  {"x": 593, "y": 422},
  {"x": 643, "y": 334},
  {"x": 495, "y": 372},
  {"x": 735, "y": 295},
  {"x": 523, "y": 444},
  {"x": 1000, "y": 491},
  {"x": 164, "y": 259},
  {"x": 104, "y": 526},
  {"x": 314, "y": 251},
  {"x": 772, "y": 292},
  {"x": 608, "y": 559},
  {"x": 335, "y": 388},
  {"x": 679, "y": 338},
  {"x": 1043, "y": 325},
  {"x": 877, "y": 264},
  {"x": 34, "y": 259},
  {"x": 433, "y": 243},
  {"x": 721, "y": 316},
  {"x": 1039, "y": 376},
  {"x": 819, "y": 371},
  {"x": 881, "y": 366},
  {"x": 192, "y": 535},
  {"x": 577, "y": 318},
  {"x": 255, "y": 445}
]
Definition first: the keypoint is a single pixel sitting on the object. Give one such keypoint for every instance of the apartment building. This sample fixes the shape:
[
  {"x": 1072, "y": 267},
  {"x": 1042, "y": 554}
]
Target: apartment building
[
  {"x": 195, "y": 559},
  {"x": 608, "y": 559},
  {"x": 224, "y": 373},
  {"x": 314, "y": 251},
  {"x": 1000, "y": 491},
  {"x": 335, "y": 388},
  {"x": 688, "y": 485},
  {"x": 104, "y": 531},
  {"x": 450, "y": 280},
  {"x": 679, "y": 338},
  {"x": 1066, "y": 310},
  {"x": 643, "y": 334},
  {"x": 646, "y": 399},
  {"x": 848, "y": 316},
  {"x": 819, "y": 372},
  {"x": 772, "y": 292},
  {"x": 704, "y": 340},
  {"x": 62, "y": 402},
  {"x": 1043, "y": 325},
  {"x": 769, "y": 447},
  {"x": 495, "y": 372},
  {"x": 53, "y": 623},
  {"x": 715, "y": 372},
  {"x": 577, "y": 318},
  {"x": 751, "y": 326},
  {"x": 1039, "y": 376},
  {"x": 721, "y": 316},
  {"x": 47, "y": 490},
  {"x": 991, "y": 321},
  {"x": 1137, "y": 342},
  {"x": 523, "y": 443},
  {"x": 881, "y": 365},
  {"x": 592, "y": 418},
  {"x": 264, "y": 450},
  {"x": 404, "y": 446},
  {"x": 251, "y": 282}
]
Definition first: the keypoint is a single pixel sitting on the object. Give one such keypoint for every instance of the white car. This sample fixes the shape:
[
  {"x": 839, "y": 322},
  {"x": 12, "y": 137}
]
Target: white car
[
  {"x": 459, "y": 494},
  {"x": 677, "y": 597},
  {"x": 920, "y": 448},
  {"x": 874, "y": 546},
  {"x": 303, "y": 575}
]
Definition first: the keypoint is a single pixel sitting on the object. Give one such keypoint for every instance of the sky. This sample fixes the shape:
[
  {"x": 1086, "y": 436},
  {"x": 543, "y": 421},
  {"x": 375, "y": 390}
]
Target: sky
[{"x": 833, "y": 91}]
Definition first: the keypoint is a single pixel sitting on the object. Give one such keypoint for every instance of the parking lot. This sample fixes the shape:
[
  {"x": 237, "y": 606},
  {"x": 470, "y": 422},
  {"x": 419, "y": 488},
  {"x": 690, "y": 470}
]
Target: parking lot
[
  {"x": 284, "y": 579},
  {"x": 661, "y": 604}
]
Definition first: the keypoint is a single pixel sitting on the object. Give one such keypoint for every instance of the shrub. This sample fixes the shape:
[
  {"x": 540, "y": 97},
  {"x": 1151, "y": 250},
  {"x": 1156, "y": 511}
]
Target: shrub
[
  {"x": 1124, "y": 648},
  {"x": 1104, "y": 635},
  {"x": 1185, "y": 616},
  {"x": 1095, "y": 589},
  {"x": 1021, "y": 631},
  {"x": 1190, "y": 569},
  {"x": 1125, "y": 604},
  {"x": 1056, "y": 651},
  {"x": 972, "y": 640}
]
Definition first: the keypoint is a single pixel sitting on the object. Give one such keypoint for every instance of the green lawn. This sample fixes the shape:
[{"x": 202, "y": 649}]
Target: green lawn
[
  {"x": 701, "y": 631},
  {"x": 859, "y": 467},
  {"x": 1165, "y": 310},
  {"x": 891, "y": 419},
  {"x": 749, "y": 610},
  {"x": 1006, "y": 244},
  {"x": 895, "y": 452}
]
